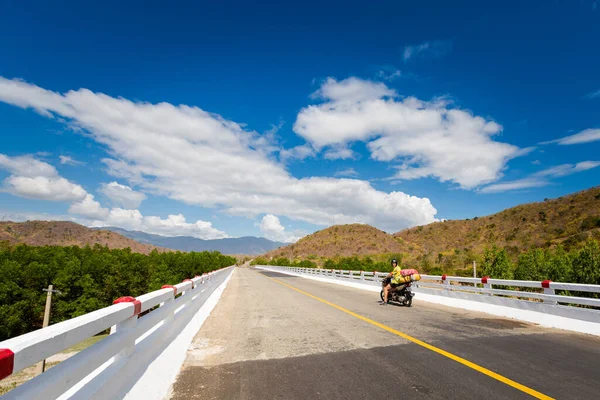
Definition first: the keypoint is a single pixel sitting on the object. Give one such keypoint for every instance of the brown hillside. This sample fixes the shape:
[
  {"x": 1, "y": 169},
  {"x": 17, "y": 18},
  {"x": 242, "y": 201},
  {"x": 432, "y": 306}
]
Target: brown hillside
[
  {"x": 341, "y": 241},
  {"x": 62, "y": 233},
  {"x": 568, "y": 220}
]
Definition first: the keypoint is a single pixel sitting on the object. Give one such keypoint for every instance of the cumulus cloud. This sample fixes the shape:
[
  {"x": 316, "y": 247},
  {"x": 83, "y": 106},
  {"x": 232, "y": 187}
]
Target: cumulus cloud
[
  {"x": 173, "y": 225},
  {"x": 425, "y": 138},
  {"x": 432, "y": 49},
  {"x": 40, "y": 180},
  {"x": 89, "y": 208},
  {"x": 44, "y": 188},
  {"x": 352, "y": 90},
  {"x": 34, "y": 179},
  {"x": 69, "y": 161},
  {"x": 197, "y": 157},
  {"x": 585, "y": 136},
  {"x": 541, "y": 178},
  {"x": 122, "y": 195},
  {"x": 271, "y": 227}
]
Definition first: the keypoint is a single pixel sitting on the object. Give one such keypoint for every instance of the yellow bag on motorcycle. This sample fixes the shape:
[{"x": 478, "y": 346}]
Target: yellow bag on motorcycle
[{"x": 401, "y": 279}]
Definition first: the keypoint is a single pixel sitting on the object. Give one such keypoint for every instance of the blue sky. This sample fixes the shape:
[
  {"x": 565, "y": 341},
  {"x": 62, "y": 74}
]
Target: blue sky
[{"x": 276, "y": 120}]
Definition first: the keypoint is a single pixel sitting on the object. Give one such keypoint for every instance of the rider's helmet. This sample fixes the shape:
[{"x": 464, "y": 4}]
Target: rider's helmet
[{"x": 394, "y": 261}]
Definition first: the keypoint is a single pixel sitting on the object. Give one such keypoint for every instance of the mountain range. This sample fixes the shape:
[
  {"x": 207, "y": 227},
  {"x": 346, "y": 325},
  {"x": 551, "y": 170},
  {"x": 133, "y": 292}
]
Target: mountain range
[{"x": 248, "y": 245}]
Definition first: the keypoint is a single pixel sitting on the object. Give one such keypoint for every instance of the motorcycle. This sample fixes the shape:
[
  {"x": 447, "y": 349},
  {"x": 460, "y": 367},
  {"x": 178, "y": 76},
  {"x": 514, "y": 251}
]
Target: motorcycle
[{"x": 400, "y": 294}]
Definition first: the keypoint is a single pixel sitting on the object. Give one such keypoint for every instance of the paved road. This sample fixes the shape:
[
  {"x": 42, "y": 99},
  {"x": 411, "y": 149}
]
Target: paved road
[{"x": 265, "y": 340}]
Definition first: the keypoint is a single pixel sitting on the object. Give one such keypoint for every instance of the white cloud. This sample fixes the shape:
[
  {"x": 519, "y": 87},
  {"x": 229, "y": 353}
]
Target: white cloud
[
  {"x": 525, "y": 183},
  {"x": 541, "y": 178},
  {"x": 51, "y": 186},
  {"x": 593, "y": 95},
  {"x": 44, "y": 188},
  {"x": 173, "y": 225},
  {"x": 122, "y": 195},
  {"x": 271, "y": 227},
  {"x": 352, "y": 90},
  {"x": 27, "y": 166},
  {"x": 433, "y": 49},
  {"x": 299, "y": 152},
  {"x": 568, "y": 169},
  {"x": 89, "y": 208},
  {"x": 351, "y": 172},
  {"x": 34, "y": 179},
  {"x": 69, "y": 161},
  {"x": 426, "y": 138},
  {"x": 585, "y": 136},
  {"x": 339, "y": 153},
  {"x": 197, "y": 157}
]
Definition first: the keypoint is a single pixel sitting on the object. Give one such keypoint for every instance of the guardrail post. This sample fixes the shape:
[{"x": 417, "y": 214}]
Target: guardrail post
[
  {"x": 127, "y": 324},
  {"x": 486, "y": 285},
  {"x": 185, "y": 291},
  {"x": 446, "y": 282},
  {"x": 548, "y": 290},
  {"x": 362, "y": 275},
  {"x": 169, "y": 319}
]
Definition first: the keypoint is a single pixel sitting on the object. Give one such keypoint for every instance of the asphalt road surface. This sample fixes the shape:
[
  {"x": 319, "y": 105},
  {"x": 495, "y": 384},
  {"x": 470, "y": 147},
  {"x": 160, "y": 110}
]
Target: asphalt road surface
[{"x": 267, "y": 338}]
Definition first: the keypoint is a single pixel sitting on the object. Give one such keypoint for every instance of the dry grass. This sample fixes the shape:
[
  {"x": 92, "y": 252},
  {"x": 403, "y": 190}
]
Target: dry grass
[
  {"x": 62, "y": 233},
  {"x": 568, "y": 220},
  {"x": 340, "y": 241}
]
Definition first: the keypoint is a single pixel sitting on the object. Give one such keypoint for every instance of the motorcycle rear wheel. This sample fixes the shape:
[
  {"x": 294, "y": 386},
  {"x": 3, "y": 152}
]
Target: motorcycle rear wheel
[{"x": 408, "y": 302}]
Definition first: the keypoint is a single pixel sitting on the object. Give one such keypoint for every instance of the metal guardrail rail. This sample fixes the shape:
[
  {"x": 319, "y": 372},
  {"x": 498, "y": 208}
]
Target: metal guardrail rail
[
  {"x": 484, "y": 286},
  {"x": 128, "y": 330}
]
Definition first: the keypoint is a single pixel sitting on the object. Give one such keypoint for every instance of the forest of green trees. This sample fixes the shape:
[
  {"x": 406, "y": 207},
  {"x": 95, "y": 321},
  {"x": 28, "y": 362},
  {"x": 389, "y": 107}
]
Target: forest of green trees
[
  {"x": 576, "y": 266},
  {"x": 88, "y": 278}
]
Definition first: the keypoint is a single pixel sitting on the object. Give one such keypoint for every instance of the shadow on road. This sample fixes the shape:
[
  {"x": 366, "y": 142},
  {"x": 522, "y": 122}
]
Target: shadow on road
[{"x": 272, "y": 274}]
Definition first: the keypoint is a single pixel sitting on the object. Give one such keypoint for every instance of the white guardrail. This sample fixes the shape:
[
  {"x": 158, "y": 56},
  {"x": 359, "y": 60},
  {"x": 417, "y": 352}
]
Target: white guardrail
[
  {"x": 483, "y": 289},
  {"x": 136, "y": 324}
]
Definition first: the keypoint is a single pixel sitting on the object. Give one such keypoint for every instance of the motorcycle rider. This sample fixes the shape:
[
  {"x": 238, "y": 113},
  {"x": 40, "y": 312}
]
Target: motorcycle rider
[{"x": 395, "y": 274}]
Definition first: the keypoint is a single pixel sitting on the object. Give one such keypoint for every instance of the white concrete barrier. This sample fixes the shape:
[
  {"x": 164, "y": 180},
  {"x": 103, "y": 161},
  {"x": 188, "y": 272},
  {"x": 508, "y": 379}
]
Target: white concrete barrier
[
  {"x": 545, "y": 308},
  {"x": 116, "y": 365}
]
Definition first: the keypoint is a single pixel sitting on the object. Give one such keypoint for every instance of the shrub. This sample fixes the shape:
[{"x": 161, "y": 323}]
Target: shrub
[{"x": 590, "y": 222}]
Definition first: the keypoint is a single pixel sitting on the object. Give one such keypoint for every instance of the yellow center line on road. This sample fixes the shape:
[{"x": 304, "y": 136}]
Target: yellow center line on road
[{"x": 444, "y": 353}]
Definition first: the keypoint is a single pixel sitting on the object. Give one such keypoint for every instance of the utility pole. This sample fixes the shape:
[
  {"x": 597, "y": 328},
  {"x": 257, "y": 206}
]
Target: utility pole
[
  {"x": 475, "y": 273},
  {"x": 41, "y": 367}
]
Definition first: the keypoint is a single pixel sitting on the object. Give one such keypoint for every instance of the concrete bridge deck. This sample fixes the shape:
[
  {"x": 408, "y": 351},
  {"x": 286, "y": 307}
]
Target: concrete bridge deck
[{"x": 266, "y": 340}]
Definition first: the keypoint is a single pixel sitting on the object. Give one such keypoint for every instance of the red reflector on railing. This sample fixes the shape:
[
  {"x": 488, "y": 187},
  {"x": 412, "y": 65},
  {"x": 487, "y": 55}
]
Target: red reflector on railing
[
  {"x": 137, "y": 305},
  {"x": 170, "y": 287},
  {"x": 444, "y": 277},
  {"x": 484, "y": 279},
  {"x": 546, "y": 284},
  {"x": 7, "y": 362}
]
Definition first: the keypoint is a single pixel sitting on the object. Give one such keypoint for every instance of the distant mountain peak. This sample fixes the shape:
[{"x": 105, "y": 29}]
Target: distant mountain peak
[{"x": 248, "y": 245}]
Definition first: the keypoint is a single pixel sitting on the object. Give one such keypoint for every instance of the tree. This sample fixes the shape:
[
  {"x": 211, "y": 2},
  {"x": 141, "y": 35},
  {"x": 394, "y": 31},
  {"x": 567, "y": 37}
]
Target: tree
[
  {"x": 496, "y": 264},
  {"x": 586, "y": 264}
]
